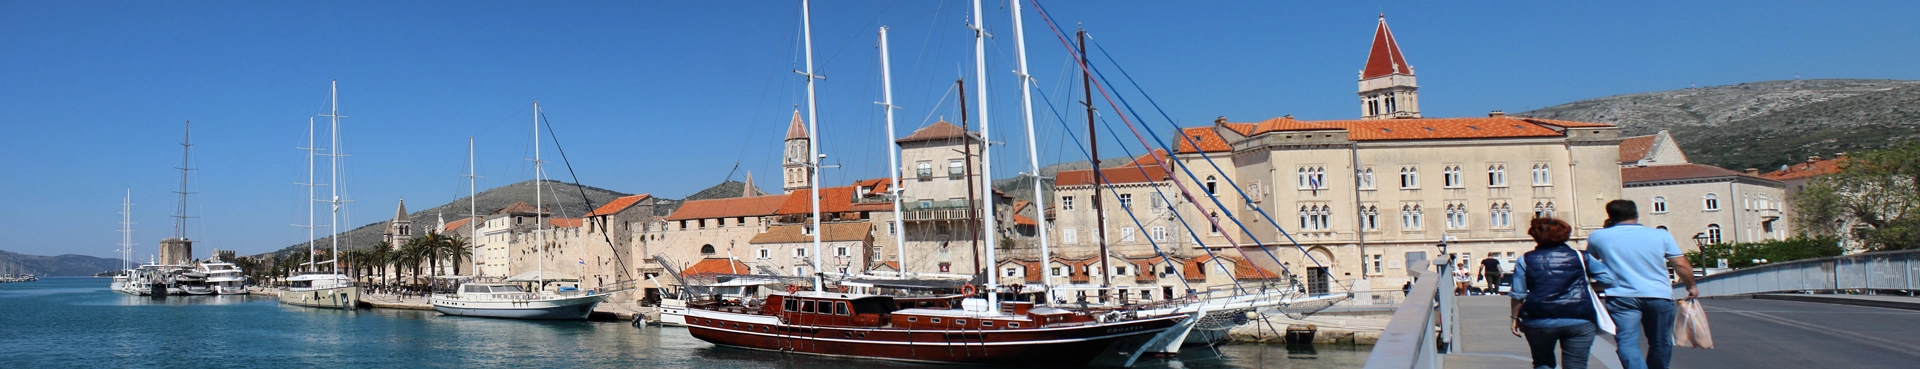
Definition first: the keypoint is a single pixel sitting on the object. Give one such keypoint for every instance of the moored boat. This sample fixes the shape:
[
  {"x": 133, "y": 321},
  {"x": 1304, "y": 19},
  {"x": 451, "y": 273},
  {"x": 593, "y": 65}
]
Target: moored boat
[
  {"x": 332, "y": 291},
  {"x": 506, "y": 300},
  {"x": 871, "y": 326}
]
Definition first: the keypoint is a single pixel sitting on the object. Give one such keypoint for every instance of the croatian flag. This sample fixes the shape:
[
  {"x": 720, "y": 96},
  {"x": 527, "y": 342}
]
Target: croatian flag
[{"x": 583, "y": 261}]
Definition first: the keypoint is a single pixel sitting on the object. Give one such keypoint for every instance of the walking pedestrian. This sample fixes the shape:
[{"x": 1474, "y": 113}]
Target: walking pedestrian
[
  {"x": 1641, "y": 303},
  {"x": 1462, "y": 278},
  {"x": 1491, "y": 272},
  {"x": 1551, "y": 302}
]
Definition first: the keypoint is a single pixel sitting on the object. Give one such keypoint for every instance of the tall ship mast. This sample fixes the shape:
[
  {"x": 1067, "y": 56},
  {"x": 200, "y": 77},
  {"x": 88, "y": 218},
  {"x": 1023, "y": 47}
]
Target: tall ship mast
[{"x": 329, "y": 288}]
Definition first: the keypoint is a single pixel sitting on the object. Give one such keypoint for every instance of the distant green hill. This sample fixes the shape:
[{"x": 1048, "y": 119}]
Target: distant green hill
[
  {"x": 1763, "y": 124},
  {"x": 68, "y": 265},
  {"x": 563, "y": 199}
]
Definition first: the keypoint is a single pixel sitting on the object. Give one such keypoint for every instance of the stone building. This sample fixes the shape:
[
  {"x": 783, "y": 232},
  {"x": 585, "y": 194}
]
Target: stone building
[
  {"x": 1699, "y": 204},
  {"x": 715, "y": 228},
  {"x": 502, "y": 232},
  {"x": 1361, "y": 198}
]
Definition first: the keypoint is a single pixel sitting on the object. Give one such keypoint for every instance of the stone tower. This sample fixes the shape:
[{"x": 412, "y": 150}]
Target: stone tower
[
  {"x": 401, "y": 229},
  {"x": 798, "y": 175},
  {"x": 1387, "y": 88}
]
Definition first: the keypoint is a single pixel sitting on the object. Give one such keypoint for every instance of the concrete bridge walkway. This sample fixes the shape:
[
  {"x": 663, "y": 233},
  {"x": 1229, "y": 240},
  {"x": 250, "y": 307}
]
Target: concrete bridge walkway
[{"x": 1811, "y": 331}]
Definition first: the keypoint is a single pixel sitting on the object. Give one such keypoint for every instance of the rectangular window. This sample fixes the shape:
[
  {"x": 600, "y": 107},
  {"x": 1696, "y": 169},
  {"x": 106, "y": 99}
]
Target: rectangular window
[
  {"x": 1376, "y": 264},
  {"x": 1159, "y": 203},
  {"x": 1126, "y": 234},
  {"x": 1126, "y": 201},
  {"x": 766, "y": 254},
  {"x": 1067, "y": 235},
  {"x": 1119, "y": 270},
  {"x": 800, "y": 252},
  {"x": 1158, "y": 233},
  {"x": 839, "y": 308},
  {"x": 956, "y": 168},
  {"x": 893, "y": 229},
  {"x": 840, "y": 251},
  {"x": 1010, "y": 271},
  {"x": 806, "y": 306},
  {"x": 1066, "y": 202},
  {"x": 791, "y": 305},
  {"x": 923, "y": 170}
]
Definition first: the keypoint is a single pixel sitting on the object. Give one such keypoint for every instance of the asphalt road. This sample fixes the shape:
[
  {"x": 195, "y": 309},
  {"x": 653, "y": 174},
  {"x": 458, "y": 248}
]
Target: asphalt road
[{"x": 1752, "y": 334}]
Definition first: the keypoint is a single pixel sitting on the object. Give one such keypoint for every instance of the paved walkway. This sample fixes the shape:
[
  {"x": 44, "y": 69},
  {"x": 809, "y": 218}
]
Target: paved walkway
[
  {"x": 1762, "y": 333},
  {"x": 1488, "y": 342},
  {"x": 1884, "y": 301}
]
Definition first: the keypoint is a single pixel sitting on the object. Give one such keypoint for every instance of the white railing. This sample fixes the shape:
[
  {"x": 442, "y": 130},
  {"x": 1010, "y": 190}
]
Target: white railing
[
  {"x": 1409, "y": 341},
  {"x": 1893, "y": 271}
]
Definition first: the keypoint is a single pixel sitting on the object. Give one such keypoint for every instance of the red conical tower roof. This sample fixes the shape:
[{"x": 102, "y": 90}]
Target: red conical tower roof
[
  {"x": 1385, "y": 57},
  {"x": 798, "y": 129}
]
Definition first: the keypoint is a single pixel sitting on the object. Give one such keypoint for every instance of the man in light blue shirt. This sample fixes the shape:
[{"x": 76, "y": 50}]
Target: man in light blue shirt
[{"x": 1641, "y": 300}]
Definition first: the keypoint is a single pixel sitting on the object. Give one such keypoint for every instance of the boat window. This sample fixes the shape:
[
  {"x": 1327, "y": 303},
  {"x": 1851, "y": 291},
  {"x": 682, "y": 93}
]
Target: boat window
[
  {"x": 792, "y": 305},
  {"x": 840, "y": 308},
  {"x": 806, "y": 306},
  {"x": 506, "y": 289},
  {"x": 1013, "y": 325},
  {"x": 912, "y": 319},
  {"x": 476, "y": 289},
  {"x": 959, "y": 322},
  {"x": 936, "y": 320},
  {"x": 986, "y": 324}
]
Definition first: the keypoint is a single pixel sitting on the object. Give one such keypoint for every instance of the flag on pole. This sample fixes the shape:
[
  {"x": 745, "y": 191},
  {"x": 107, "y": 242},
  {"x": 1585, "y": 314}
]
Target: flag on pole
[{"x": 583, "y": 261}]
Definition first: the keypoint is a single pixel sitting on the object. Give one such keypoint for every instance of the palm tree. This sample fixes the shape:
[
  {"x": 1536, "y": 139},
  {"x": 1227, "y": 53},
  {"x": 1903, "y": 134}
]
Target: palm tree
[
  {"x": 457, "y": 249},
  {"x": 381, "y": 256},
  {"x": 432, "y": 246},
  {"x": 414, "y": 252}
]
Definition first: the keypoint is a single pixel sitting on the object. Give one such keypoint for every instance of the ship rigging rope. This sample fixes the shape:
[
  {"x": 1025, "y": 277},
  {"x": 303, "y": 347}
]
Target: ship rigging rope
[
  {"x": 1110, "y": 101},
  {"x": 604, "y": 231},
  {"x": 1136, "y": 220}
]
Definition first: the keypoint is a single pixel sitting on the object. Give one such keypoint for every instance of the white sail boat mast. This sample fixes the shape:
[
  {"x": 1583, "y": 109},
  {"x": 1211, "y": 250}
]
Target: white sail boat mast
[
  {"x": 539, "y": 208},
  {"x": 333, "y": 174},
  {"x": 986, "y": 154},
  {"x": 126, "y": 232},
  {"x": 472, "y": 212},
  {"x": 1033, "y": 156},
  {"x": 813, "y": 146},
  {"x": 893, "y": 156}
]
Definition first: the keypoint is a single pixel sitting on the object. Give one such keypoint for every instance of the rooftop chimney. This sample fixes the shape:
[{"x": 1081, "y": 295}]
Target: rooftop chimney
[
  {"x": 1496, "y": 114},
  {"x": 1753, "y": 171},
  {"x": 1288, "y": 116},
  {"x": 1220, "y": 120}
]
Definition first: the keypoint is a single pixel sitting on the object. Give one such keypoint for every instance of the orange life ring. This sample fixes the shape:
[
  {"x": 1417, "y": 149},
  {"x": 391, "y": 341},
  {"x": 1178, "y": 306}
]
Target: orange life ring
[
  {"x": 793, "y": 288},
  {"x": 968, "y": 290},
  {"x": 843, "y": 289}
]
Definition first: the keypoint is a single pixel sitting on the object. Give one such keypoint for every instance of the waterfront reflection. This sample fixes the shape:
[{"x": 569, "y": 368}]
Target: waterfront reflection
[{"x": 66, "y": 322}]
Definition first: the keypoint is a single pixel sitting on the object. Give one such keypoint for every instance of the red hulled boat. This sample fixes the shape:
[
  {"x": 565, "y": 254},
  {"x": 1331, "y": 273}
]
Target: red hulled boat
[{"x": 920, "y": 329}]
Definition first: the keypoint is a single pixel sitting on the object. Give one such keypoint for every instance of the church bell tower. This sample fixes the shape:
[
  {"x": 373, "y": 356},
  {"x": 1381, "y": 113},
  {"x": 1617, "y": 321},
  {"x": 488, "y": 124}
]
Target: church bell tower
[{"x": 1387, "y": 88}]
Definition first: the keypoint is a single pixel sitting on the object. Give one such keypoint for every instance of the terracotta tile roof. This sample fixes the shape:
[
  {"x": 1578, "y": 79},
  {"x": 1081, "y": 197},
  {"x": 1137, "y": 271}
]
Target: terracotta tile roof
[
  {"x": 729, "y": 207},
  {"x": 518, "y": 208},
  {"x": 798, "y": 128},
  {"x": 1018, "y": 206},
  {"x": 1194, "y": 269},
  {"x": 1567, "y": 123},
  {"x": 1806, "y": 169},
  {"x": 455, "y": 225},
  {"x": 618, "y": 205},
  {"x": 1384, "y": 58},
  {"x": 1143, "y": 271},
  {"x": 832, "y": 200},
  {"x": 1132, "y": 172},
  {"x": 565, "y": 222},
  {"x": 1151, "y": 158},
  {"x": 1208, "y": 140},
  {"x": 1240, "y": 128},
  {"x": 937, "y": 130},
  {"x": 716, "y": 266},
  {"x": 836, "y": 232},
  {"x": 876, "y": 186},
  {"x": 1633, "y": 149},
  {"x": 1676, "y": 171},
  {"x": 1438, "y": 128},
  {"x": 1284, "y": 124},
  {"x": 1243, "y": 269}
]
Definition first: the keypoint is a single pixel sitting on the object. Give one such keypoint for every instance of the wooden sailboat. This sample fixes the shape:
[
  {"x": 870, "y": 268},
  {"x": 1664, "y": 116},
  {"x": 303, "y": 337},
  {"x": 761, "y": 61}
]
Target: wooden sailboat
[{"x": 954, "y": 329}]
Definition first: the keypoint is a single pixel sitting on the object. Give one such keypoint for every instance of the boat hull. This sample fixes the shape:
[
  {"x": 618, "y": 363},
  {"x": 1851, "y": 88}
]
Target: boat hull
[
  {"x": 1061, "y": 346},
  {"x": 329, "y": 298},
  {"x": 673, "y": 313},
  {"x": 570, "y": 308}
]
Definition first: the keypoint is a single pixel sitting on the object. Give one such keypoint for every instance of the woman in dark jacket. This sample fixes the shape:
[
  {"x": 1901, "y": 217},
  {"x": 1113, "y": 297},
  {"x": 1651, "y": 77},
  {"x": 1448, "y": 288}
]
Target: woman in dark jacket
[{"x": 1551, "y": 302}]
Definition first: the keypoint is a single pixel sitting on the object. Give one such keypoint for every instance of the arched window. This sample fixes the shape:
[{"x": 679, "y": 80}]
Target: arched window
[
  {"x": 1210, "y": 185},
  {"x": 1712, "y": 202},
  {"x": 1366, "y": 178},
  {"x": 1539, "y": 210},
  {"x": 1419, "y": 220},
  {"x": 1304, "y": 217},
  {"x": 1713, "y": 233},
  {"x": 1215, "y": 223},
  {"x": 706, "y": 250},
  {"x": 1372, "y": 220},
  {"x": 1659, "y": 204}
]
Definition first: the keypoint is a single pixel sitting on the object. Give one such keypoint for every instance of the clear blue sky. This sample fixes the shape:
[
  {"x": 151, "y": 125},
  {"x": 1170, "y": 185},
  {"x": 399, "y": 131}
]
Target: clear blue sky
[{"x": 666, "y": 97}]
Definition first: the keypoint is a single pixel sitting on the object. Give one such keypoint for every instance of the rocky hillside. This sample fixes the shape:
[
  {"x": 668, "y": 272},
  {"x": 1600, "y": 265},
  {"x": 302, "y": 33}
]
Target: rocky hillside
[
  {"x": 563, "y": 199},
  {"x": 1763, "y": 124},
  {"x": 68, "y": 265}
]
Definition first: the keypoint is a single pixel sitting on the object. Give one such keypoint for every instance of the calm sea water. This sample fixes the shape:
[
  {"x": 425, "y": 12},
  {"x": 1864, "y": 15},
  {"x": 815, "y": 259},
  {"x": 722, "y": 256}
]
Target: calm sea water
[{"x": 76, "y": 322}]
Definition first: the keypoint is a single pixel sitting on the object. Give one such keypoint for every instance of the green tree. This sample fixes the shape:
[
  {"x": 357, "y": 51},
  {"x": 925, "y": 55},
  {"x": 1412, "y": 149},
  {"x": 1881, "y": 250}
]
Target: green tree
[
  {"x": 457, "y": 249},
  {"x": 1742, "y": 255},
  {"x": 1874, "y": 199}
]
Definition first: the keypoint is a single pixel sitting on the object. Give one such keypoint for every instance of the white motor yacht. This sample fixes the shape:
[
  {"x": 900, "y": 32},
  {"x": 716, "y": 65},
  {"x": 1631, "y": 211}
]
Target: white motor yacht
[
  {"x": 508, "y": 300},
  {"x": 334, "y": 291},
  {"x": 224, "y": 278}
]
